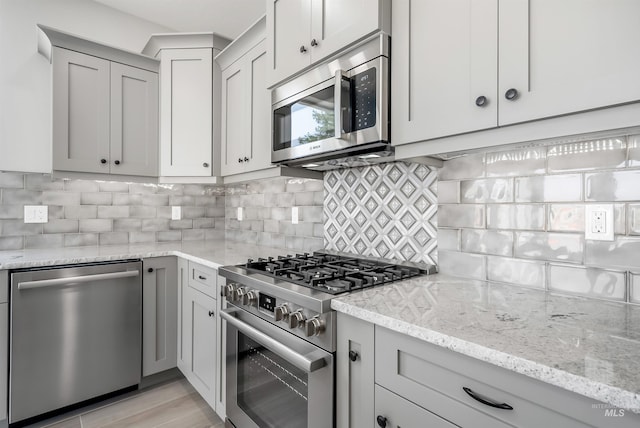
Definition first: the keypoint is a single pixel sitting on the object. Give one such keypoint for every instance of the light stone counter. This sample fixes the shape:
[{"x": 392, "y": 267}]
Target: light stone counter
[
  {"x": 210, "y": 253},
  {"x": 586, "y": 346}
]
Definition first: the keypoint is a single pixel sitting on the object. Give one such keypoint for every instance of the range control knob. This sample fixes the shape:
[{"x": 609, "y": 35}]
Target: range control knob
[
  {"x": 296, "y": 319},
  {"x": 250, "y": 298},
  {"x": 314, "y": 326},
  {"x": 238, "y": 296},
  {"x": 281, "y": 312},
  {"x": 228, "y": 290}
]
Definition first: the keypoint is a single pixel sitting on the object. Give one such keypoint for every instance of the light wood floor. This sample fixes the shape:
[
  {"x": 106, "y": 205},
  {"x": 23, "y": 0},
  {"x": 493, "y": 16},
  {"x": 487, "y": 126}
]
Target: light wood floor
[{"x": 170, "y": 405}]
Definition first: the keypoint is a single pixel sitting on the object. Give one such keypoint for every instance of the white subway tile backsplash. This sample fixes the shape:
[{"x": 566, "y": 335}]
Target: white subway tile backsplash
[
  {"x": 586, "y": 155},
  {"x": 113, "y": 238},
  {"x": 621, "y": 253},
  {"x": 633, "y": 141},
  {"x": 60, "y": 198},
  {"x": 81, "y": 186},
  {"x": 21, "y": 197},
  {"x": 516, "y": 216},
  {"x": 12, "y": 180},
  {"x": 498, "y": 243},
  {"x": 613, "y": 186},
  {"x": 566, "y": 218},
  {"x": 549, "y": 188},
  {"x": 80, "y": 211},
  {"x": 448, "y": 192},
  {"x": 528, "y": 273},
  {"x": 591, "y": 282},
  {"x": 96, "y": 225},
  {"x": 549, "y": 246},
  {"x": 11, "y": 242},
  {"x": 462, "y": 264},
  {"x": 634, "y": 219},
  {"x": 97, "y": 198},
  {"x": 80, "y": 239},
  {"x": 634, "y": 287},
  {"x": 108, "y": 211},
  {"x": 529, "y": 161},
  {"x": 469, "y": 166},
  {"x": 493, "y": 190},
  {"x": 52, "y": 240},
  {"x": 9, "y": 212},
  {"x": 43, "y": 182},
  {"x": 448, "y": 239},
  {"x": 463, "y": 215},
  {"x": 61, "y": 226}
]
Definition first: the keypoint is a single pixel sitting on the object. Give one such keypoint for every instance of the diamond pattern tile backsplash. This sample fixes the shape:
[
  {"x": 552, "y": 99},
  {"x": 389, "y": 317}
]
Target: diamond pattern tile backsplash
[{"x": 386, "y": 210}]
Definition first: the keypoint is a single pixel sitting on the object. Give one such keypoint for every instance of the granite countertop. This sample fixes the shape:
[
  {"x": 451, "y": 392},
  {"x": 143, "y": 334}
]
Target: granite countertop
[
  {"x": 586, "y": 346},
  {"x": 210, "y": 253}
]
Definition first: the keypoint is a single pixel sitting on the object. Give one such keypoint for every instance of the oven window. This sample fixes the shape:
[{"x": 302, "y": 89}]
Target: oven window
[
  {"x": 305, "y": 121},
  {"x": 270, "y": 391}
]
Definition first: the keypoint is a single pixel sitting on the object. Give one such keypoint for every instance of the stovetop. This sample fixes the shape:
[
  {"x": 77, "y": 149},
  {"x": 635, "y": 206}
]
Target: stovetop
[{"x": 332, "y": 273}]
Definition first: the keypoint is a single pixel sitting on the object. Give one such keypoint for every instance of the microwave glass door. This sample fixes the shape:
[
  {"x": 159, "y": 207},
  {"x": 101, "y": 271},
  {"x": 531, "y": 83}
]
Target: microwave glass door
[{"x": 271, "y": 391}]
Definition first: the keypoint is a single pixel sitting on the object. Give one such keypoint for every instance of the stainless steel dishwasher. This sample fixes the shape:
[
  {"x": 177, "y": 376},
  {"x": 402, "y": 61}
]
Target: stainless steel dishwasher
[{"x": 75, "y": 334}]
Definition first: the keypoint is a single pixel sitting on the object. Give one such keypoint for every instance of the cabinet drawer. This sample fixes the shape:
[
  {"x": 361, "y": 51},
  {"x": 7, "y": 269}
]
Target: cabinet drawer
[
  {"x": 434, "y": 378},
  {"x": 203, "y": 279},
  {"x": 400, "y": 413}
]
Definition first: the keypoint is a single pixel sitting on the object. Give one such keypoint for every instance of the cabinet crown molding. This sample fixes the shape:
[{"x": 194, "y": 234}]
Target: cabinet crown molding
[
  {"x": 252, "y": 36},
  {"x": 49, "y": 37},
  {"x": 160, "y": 41}
]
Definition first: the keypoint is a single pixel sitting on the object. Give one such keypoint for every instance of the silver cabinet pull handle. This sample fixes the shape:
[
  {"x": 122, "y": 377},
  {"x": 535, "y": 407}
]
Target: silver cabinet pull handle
[
  {"x": 26, "y": 285},
  {"x": 300, "y": 361}
]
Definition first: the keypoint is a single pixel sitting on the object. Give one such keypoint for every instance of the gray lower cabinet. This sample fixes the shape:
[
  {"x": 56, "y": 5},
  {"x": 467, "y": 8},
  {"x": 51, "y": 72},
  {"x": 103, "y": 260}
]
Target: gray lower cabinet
[
  {"x": 197, "y": 339},
  {"x": 393, "y": 411},
  {"x": 354, "y": 372},
  {"x": 4, "y": 344},
  {"x": 418, "y": 384},
  {"x": 159, "y": 319}
]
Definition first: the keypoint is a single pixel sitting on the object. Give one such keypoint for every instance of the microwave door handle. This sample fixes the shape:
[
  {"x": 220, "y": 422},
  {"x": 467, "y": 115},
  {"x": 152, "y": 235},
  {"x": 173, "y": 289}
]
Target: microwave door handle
[
  {"x": 308, "y": 365},
  {"x": 339, "y": 125}
]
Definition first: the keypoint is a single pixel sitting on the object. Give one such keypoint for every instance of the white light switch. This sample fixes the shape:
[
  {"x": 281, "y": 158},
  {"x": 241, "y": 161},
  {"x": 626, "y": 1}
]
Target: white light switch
[
  {"x": 240, "y": 213},
  {"x": 176, "y": 213},
  {"x": 598, "y": 222},
  {"x": 294, "y": 215},
  {"x": 36, "y": 213}
]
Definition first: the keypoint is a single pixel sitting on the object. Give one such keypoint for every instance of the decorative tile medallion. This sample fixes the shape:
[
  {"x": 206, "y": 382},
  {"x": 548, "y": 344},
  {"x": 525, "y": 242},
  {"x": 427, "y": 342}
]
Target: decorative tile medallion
[{"x": 386, "y": 210}]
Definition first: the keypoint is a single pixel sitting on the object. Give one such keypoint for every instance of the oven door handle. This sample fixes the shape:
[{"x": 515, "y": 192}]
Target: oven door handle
[{"x": 303, "y": 362}]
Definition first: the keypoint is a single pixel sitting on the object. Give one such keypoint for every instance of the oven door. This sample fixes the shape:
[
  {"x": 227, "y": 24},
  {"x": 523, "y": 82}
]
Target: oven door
[
  {"x": 274, "y": 378},
  {"x": 348, "y": 113}
]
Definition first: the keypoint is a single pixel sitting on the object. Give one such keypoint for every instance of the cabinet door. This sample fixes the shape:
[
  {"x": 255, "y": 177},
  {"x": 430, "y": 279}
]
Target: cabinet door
[
  {"x": 134, "y": 121},
  {"x": 159, "y": 315},
  {"x": 401, "y": 413},
  {"x": 444, "y": 59},
  {"x": 202, "y": 366},
  {"x": 288, "y": 38},
  {"x": 80, "y": 112},
  {"x": 354, "y": 373},
  {"x": 246, "y": 100},
  {"x": 186, "y": 100},
  {"x": 259, "y": 150},
  {"x": 567, "y": 56},
  {"x": 335, "y": 24},
  {"x": 184, "y": 318},
  {"x": 235, "y": 114}
]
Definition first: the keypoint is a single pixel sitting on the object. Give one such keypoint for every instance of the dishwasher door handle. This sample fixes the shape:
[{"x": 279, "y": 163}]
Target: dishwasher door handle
[
  {"x": 308, "y": 365},
  {"x": 28, "y": 285}
]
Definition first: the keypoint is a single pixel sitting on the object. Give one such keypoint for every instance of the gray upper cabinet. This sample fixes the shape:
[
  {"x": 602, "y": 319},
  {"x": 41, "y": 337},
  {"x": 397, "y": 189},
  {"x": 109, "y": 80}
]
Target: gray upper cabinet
[
  {"x": 302, "y": 32},
  {"x": 189, "y": 104},
  {"x": 554, "y": 59},
  {"x": 105, "y": 107},
  {"x": 246, "y": 104}
]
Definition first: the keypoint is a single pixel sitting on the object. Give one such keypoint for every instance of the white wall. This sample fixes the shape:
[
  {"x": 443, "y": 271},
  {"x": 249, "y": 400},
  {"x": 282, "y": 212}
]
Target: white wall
[{"x": 25, "y": 76}]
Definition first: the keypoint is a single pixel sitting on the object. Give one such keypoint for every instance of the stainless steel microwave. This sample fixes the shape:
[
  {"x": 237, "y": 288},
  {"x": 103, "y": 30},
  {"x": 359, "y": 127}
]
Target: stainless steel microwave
[{"x": 336, "y": 110}]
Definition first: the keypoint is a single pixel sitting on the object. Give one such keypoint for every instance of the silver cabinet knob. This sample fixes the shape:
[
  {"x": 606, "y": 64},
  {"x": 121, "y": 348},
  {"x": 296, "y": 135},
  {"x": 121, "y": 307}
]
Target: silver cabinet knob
[
  {"x": 281, "y": 312},
  {"x": 296, "y": 319},
  {"x": 250, "y": 298},
  {"x": 511, "y": 94},
  {"x": 314, "y": 43},
  {"x": 205, "y": 164},
  {"x": 303, "y": 49},
  {"x": 314, "y": 326}
]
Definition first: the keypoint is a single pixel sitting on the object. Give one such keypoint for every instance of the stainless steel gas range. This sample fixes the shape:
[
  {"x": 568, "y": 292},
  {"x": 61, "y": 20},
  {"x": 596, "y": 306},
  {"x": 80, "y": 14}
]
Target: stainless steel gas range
[{"x": 281, "y": 334}]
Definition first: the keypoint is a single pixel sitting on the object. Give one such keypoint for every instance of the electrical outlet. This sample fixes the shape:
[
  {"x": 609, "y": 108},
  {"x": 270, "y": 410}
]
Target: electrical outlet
[
  {"x": 36, "y": 213},
  {"x": 240, "y": 213},
  {"x": 598, "y": 222},
  {"x": 294, "y": 215},
  {"x": 176, "y": 213}
]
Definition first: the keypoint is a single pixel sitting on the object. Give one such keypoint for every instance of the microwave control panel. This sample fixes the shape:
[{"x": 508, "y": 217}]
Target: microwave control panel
[{"x": 364, "y": 99}]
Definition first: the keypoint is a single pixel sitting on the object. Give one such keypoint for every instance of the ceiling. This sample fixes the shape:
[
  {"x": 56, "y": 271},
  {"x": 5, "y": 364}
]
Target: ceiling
[{"x": 228, "y": 18}]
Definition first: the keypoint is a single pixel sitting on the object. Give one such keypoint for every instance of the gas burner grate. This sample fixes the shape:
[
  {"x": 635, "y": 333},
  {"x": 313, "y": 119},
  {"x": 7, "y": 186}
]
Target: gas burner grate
[{"x": 331, "y": 273}]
